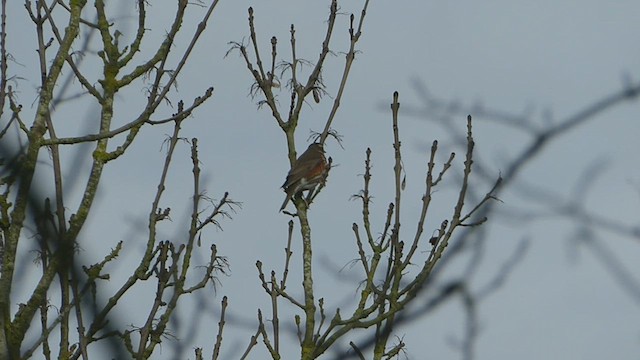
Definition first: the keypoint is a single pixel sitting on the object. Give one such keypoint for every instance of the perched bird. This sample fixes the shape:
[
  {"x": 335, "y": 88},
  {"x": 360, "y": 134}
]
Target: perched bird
[{"x": 309, "y": 170}]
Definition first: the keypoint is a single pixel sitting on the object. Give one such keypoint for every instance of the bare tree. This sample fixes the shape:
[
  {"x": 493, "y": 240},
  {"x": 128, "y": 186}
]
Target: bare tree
[
  {"x": 388, "y": 285},
  {"x": 82, "y": 318},
  {"x": 540, "y": 134},
  {"x": 394, "y": 271}
]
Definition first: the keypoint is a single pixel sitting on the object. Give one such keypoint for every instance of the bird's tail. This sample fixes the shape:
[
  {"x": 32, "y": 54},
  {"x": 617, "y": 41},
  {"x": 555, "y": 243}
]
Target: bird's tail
[{"x": 286, "y": 201}]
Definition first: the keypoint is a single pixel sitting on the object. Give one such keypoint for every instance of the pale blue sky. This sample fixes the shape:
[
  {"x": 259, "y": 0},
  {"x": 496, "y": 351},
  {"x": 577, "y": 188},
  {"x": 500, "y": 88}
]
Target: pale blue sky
[{"x": 546, "y": 59}]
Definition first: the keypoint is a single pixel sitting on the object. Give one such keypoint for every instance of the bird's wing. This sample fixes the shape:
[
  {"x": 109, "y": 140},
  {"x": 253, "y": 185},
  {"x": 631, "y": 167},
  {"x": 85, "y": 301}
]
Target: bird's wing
[
  {"x": 299, "y": 170},
  {"x": 306, "y": 163}
]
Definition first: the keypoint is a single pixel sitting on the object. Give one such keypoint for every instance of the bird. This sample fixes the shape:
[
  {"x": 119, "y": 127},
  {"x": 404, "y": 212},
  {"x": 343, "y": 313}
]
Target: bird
[{"x": 309, "y": 170}]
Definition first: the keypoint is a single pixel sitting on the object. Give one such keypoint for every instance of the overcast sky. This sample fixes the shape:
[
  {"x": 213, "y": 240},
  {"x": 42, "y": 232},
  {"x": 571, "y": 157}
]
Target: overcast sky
[{"x": 543, "y": 61}]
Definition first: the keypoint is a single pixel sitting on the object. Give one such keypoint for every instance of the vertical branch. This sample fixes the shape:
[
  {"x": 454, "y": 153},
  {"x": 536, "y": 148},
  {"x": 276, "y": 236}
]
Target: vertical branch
[
  {"x": 297, "y": 95},
  {"x": 61, "y": 241},
  {"x": 264, "y": 83},
  {"x": 308, "y": 344},
  {"x": 55, "y": 154},
  {"x": 3, "y": 56},
  {"x": 155, "y": 215},
  {"x": 366, "y": 199},
  {"x": 397, "y": 168},
  {"x": 288, "y": 253},
  {"x": 456, "y": 217},
  {"x": 254, "y": 41},
  {"x": 467, "y": 172},
  {"x": 275, "y": 321},
  {"x": 175, "y": 275},
  {"x": 195, "y": 210},
  {"x": 351, "y": 55},
  {"x": 110, "y": 87},
  {"x": 22, "y": 319},
  {"x": 261, "y": 81},
  {"x": 295, "y": 86},
  {"x": 394, "y": 270},
  {"x": 149, "y": 333},
  {"x": 44, "y": 256},
  {"x": 426, "y": 200},
  {"x": 182, "y": 4},
  {"x": 218, "y": 344},
  {"x": 82, "y": 341}
]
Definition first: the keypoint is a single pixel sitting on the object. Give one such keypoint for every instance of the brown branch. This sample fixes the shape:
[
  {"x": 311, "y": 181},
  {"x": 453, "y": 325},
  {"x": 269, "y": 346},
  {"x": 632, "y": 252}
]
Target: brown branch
[{"x": 221, "y": 323}]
